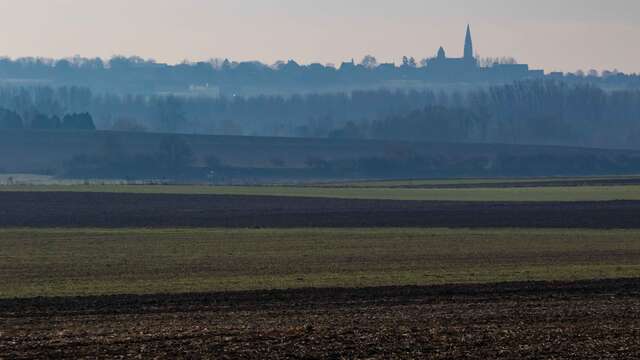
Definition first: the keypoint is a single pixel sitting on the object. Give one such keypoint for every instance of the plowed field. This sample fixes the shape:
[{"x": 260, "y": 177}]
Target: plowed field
[
  {"x": 584, "y": 320},
  {"x": 117, "y": 210}
]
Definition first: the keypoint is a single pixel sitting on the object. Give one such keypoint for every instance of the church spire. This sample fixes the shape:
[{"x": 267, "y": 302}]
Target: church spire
[{"x": 468, "y": 45}]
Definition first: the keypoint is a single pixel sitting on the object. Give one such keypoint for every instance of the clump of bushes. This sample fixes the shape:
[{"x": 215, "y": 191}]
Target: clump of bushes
[{"x": 11, "y": 120}]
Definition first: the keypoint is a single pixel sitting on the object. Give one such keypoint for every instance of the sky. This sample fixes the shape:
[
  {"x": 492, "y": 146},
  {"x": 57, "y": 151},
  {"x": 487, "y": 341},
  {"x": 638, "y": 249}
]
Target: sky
[{"x": 554, "y": 35}]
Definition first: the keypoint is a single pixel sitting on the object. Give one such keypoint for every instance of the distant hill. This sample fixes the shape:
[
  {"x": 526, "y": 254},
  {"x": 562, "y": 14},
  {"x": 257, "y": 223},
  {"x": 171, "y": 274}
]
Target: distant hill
[{"x": 47, "y": 152}]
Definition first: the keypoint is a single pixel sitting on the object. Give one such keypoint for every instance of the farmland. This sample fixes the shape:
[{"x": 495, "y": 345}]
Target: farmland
[
  {"x": 320, "y": 293},
  {"x": 105, "y": 262},
  {"x": 122, "y": 210},
  {"x": 462, "y": 268},
  {"x": 505, "y": 182},
  {"x": 502, "y": 193},
  {"x": 583, "y": 320}
]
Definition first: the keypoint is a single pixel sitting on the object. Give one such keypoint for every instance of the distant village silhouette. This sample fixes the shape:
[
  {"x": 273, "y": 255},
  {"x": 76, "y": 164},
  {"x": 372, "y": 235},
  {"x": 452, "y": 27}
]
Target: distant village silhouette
[
  {"x": 467, "y": 68},
  {"x": 225, "y": 77}
]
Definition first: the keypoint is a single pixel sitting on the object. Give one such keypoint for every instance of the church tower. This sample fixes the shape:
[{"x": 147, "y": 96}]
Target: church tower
[{"x": 468, "y": 45}]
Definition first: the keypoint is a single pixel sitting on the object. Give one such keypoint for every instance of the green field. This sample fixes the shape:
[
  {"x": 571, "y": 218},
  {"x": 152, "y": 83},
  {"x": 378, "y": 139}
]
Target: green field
[
  {"x": 561, "y": 193},
  {"x": 92, "y": 262},
  {"x": 475, "y": 181}
]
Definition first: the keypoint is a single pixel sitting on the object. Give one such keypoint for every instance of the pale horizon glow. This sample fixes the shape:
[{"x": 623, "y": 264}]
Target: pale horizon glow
[{"x": 564, "y": 35}]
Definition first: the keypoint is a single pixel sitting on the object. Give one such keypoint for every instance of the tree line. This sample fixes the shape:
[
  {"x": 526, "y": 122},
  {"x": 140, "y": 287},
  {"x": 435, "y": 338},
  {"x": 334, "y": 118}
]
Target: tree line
[
  {"x": 538, "y": 112},
  {"x": 530, "y": 112},
  {"x": 11, "y": 120},
  {"x": 136, "y": 75}
]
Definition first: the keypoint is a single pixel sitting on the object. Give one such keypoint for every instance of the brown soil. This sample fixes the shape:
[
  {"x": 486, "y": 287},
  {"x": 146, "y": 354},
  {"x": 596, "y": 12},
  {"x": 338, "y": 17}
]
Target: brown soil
[
  {"x": 584, "y": 320},
  {"x": 108, "y": 210}
]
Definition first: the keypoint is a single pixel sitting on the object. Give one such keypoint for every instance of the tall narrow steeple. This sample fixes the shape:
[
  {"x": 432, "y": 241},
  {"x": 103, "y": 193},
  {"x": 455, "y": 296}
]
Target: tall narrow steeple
[{"x": 468, "y": 45}]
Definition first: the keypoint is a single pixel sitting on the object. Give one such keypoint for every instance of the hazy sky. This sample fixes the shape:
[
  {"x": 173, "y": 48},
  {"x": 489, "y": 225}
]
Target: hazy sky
[{"x": 551, "y": 34}]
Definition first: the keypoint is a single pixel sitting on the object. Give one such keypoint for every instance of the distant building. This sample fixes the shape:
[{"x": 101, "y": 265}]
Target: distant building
[
  {"x": 442, "y": 65},
  {"x": 467, "y": 67},
  {"x": 348, "y": 66},
  {"x": 556, "y": 75}
]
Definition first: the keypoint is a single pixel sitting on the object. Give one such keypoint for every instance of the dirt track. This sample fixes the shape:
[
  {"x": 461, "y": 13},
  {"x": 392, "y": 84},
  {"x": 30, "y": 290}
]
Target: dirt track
[
  {"x": 108, "y": 210},
  {"x": 586, "y": 320}
]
